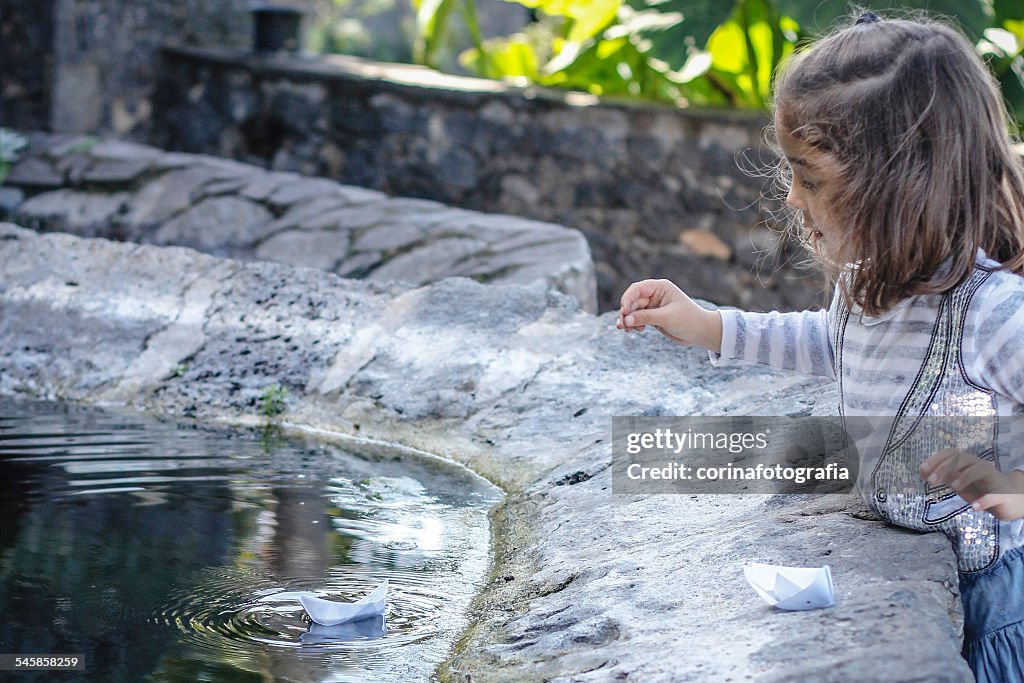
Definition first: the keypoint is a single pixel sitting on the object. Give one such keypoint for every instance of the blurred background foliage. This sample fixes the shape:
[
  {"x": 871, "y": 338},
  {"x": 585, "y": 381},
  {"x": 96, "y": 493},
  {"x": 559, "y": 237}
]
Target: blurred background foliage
[{"x": 718, "y": 53}]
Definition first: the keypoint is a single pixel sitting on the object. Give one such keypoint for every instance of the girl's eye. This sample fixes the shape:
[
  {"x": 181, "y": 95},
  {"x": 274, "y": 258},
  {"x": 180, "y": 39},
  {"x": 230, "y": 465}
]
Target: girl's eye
[{"x": 807, "y": 185}]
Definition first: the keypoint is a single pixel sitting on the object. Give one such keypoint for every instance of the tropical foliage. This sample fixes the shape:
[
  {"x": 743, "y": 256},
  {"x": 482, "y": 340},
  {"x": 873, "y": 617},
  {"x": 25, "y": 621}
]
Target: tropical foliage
[{"x": 707, "y": 52}]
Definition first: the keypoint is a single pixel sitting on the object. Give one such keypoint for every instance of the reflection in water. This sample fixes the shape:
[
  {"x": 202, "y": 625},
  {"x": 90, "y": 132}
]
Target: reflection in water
[
  {"x": 366, "y": 629},
  {"x": 167, "y": 553}
]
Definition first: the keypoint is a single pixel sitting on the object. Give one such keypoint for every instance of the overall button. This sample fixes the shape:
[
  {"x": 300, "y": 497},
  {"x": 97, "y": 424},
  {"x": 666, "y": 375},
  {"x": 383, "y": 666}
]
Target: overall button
[{"x": 880, "y": 495}]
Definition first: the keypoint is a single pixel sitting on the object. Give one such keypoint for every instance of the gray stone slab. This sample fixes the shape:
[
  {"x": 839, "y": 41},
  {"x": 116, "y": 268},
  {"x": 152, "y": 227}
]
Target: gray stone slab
[
  {"x": 303, "y": 189},
  {"x": 10, "y": 199},
  {"x": 362, "y": 216},
  {"x": 120, "y": 150},
  {"x": 318, "y": 212},
  {"x": 359, "y": 264},
  {"x": 84, "y": 213},
  {"x": 165, "y": 196},
  {"x": 388, "y": 236},
  {"x": 34, "y": 172},
  {"x": 217, "y": 223},
  {"x": 262, "y": 185},
  {"x": 427, "y": 263},
  {"x": 219, "y": 187},
  {"x": 310, "y": 248},
  {"x": 361, "y": 195},
  {"x": 116, "y": 171},
  {"x": 60, "y": 145}
]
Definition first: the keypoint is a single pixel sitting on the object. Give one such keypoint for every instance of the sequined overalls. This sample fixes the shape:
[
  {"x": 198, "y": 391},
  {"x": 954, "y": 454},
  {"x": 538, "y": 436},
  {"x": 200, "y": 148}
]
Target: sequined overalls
[{"x": 895, "y": 491}]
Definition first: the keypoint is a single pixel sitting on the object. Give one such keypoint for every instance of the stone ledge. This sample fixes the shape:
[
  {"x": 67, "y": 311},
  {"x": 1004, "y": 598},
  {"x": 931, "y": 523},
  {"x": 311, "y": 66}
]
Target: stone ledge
[
  {"x": 519, "y": 384},
  {"x": 408, "y": 78},
  {"x": 129, "y": 191}
]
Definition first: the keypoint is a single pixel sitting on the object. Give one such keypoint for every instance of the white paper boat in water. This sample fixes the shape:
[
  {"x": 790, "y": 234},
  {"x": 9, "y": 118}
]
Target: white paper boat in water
[
  {"x": 331, "y": 613},
  {"x": 363, "y": 629},
  {"x": 792, "y": 588}
]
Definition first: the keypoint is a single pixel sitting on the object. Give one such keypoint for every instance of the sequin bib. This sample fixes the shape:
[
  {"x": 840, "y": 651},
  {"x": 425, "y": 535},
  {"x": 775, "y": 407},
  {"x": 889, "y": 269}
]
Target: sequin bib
[{"x": 893, "y": 488}]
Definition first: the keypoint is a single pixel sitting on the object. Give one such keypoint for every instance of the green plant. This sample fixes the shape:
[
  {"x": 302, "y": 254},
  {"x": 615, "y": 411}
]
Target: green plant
[
  {"x": 11, "y": 146},
  {"x": 1002, "y": 46},
  {"x": 272, "y": 401},
  {"x": 271, "y": 437},
  {"x": 705, "y": 52},
  {"x": 432, "y": 27},
  {"x": 587, "y": 45},
  {"x": 745, "y": 40}
]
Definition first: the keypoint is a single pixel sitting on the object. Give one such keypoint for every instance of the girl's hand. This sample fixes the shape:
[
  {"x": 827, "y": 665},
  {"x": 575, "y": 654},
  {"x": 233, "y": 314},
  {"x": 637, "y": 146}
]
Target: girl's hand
[
  {"x": 664, "y": 306},
  {"x": 978, "y": 481}
]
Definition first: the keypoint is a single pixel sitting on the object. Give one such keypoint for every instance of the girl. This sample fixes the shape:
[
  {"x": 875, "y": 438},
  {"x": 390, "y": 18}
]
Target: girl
[{"x": 912, "y": 199}]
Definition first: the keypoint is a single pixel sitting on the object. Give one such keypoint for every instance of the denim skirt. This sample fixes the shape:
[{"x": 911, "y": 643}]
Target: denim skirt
[{"x": 993, "y": 602}]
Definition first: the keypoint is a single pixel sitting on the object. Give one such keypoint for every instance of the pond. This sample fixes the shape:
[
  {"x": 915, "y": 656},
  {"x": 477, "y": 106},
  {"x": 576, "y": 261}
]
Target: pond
[{"x": 167, "y": 552}]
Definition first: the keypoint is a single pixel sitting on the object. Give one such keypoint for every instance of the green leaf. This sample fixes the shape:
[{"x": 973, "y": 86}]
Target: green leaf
[
  {"x": 1007, "y": 9},
  {"x": 973, "y": 16},
  {"x": 505, "y": 58},
  {"x": 697, "y": 20},
  {"x": 745, "y": 50},
  {"x": 1016, "y": 27},
  {"x": 1012, "y": 84},
  {"x": 431, "y": 28},
  {"x": 696, "y": 65},
  {"x": 590, "y": 17}
]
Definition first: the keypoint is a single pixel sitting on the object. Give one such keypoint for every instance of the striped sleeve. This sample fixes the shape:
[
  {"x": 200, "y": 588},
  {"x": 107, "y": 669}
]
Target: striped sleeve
[
  {"x": 994, "y": 338},
  {"x": 994, "y": 354},
  {"x": 798, "y": 341}
]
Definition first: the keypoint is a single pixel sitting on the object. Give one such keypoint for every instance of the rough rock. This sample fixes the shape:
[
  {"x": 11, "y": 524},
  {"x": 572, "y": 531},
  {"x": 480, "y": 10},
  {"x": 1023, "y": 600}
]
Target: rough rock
[{"x": 519, "y": 384}]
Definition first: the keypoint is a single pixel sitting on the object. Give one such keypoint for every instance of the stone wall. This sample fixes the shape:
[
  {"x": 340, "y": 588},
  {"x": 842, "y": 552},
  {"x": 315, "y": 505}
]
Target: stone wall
[
  {"x": 585, "y": 585},
  {"x": 128, "y": 191},
  {"x": 84, "y": 66},
  {"x": 26, "y": 52},
  {"x": 656, "y": 190}
]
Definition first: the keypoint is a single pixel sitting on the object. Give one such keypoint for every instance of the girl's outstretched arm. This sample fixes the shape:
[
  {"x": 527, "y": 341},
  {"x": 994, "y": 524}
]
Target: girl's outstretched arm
[
  {"x": 665, "y": 307},
  {"x": 798, "y": 341}
]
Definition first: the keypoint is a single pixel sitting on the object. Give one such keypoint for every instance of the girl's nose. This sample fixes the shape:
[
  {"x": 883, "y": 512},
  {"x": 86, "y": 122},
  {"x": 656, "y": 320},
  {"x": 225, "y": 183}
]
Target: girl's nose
[{"x": 794, "y": 198}]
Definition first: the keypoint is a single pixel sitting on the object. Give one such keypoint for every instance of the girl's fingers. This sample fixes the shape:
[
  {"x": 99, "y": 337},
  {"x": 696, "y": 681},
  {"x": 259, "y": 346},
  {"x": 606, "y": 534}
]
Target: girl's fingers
[
  {"x": 642, "y": 302},
  {"x": 985, "y": 502},
  {"x": 627, "y": 323},
  {"x": 998, "y": 505},
  {"x": 932, "y": 462},
  {"x": 633, "y": 305},
  {"x": 637, "y": 290},
  {"x": 946, "y": 466},
  {"x": 934, "y": 467},
  {"x": 971, "y": 475}
]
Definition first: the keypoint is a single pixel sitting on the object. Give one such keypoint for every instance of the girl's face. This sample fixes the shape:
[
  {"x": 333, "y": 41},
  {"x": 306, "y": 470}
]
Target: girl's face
[{"x": 815, "y": 178}]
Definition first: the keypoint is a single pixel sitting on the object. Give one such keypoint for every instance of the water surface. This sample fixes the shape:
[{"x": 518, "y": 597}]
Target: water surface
[{"x": 167, "y": 552}]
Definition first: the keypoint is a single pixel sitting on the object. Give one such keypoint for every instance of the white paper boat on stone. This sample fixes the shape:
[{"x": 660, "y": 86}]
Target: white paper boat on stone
[
  {"x": 331, "y": 613},
  {"x": 792, "y": 588}
]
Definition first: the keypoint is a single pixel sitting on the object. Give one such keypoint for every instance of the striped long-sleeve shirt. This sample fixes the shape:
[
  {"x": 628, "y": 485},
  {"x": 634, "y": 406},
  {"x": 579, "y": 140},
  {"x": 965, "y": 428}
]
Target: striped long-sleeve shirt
[{"x": 879, "y": 358}]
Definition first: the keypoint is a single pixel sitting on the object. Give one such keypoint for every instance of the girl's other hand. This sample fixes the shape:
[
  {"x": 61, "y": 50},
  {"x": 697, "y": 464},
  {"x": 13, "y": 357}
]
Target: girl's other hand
[
  {"x": 665, "y": 307},
  {"x": 978, "y": 481}
]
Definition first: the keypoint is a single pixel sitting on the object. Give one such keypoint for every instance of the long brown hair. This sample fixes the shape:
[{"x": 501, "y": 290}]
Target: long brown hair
[{"x": 927, "y": 168}]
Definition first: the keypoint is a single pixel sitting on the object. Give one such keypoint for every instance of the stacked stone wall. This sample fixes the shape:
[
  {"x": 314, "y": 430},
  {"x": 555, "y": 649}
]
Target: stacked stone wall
[{"x": 658, "y": 191}]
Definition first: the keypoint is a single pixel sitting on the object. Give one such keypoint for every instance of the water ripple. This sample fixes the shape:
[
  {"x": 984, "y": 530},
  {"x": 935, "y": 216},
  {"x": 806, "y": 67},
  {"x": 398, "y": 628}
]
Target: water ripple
[{"x": 232, "y": 607}]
